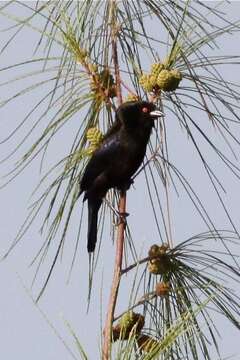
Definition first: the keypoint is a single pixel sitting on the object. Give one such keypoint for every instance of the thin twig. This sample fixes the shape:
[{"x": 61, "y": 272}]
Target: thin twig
[{"x": 142, "y": 261}]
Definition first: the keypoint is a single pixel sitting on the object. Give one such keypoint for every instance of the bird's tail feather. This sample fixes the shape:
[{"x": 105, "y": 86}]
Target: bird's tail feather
[{"x": 93, "y": 207}]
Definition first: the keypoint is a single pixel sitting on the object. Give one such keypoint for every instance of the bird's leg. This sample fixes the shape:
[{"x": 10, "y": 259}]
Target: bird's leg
[
  {"x": 121, "y": 218},
  {"x": 123, "y": 215}
]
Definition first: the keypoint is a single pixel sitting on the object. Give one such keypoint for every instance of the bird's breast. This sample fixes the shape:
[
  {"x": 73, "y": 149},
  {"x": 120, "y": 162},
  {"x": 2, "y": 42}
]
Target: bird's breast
[{"x": 129, "y": 160}]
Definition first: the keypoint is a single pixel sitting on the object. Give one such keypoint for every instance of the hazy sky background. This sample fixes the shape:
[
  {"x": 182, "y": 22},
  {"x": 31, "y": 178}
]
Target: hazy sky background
[{"x": 24, "y": 333}]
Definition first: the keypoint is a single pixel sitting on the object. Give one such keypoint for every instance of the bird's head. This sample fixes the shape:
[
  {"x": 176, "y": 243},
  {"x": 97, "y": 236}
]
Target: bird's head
[{"x": 138, "y": 113}]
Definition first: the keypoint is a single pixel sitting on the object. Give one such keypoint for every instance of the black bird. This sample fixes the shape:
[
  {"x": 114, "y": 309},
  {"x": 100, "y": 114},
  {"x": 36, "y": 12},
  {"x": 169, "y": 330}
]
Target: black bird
[{"x": 116, "y": 160}]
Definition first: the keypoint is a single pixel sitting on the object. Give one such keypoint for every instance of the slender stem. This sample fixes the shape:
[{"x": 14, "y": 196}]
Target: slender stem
[
  {"x": 107, "y": 336},
  {"x": 115, "y": 282},
  {"x": 142, "y": 261}
]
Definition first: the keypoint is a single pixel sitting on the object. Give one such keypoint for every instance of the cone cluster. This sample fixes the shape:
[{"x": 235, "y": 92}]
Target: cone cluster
[
  {"x": 162, "y": 288},
  {"x": 131, "y": 323},
  {"x": 160, "y": 261},
  {"x": 95, "y": 137},
  {"x": 160, "y": 78}
]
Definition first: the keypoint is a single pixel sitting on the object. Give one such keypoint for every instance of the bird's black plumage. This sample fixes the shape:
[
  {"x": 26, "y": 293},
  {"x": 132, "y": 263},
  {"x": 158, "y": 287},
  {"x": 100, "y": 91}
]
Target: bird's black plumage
[{"x": 117, "y": 159}]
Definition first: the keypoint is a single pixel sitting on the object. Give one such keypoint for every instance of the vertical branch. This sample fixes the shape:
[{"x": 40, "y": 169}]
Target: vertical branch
[{"x": 107, "y": 336}]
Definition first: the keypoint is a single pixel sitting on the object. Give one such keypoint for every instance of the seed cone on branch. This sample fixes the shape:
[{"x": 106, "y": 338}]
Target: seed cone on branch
[
  {"x": 162, "y": 288},
  {"x": 95, "y": 137},
  {"x": 160, "y": 78},
  {"x": 161, "y": 263},
  {"x": 130, "y": 324},
  {"x": 156, "y": 68}
]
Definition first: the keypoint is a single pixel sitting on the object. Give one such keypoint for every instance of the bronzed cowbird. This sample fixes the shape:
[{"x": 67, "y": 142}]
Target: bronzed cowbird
[{"x": 117, "y": 159}]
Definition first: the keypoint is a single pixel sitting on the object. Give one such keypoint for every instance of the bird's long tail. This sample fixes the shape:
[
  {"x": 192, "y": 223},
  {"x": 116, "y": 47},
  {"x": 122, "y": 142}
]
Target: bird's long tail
[{"x": 93, "y": 207}]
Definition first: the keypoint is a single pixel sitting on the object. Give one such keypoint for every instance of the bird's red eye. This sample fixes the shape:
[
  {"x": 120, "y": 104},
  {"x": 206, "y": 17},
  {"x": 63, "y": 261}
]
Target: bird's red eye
[{"x": 145, "y": 109}]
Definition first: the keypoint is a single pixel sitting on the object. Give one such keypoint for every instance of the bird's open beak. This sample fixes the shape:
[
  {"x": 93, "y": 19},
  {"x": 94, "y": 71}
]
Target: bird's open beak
[{"x": 156, "y": 113}]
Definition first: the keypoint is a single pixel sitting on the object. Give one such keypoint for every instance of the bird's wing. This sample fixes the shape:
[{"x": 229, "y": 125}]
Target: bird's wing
[{"x": 100, "y": 160}]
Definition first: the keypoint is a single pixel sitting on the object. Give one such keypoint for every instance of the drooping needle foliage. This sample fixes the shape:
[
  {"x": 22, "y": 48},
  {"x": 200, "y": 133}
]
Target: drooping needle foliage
[{"x": 89, "y": 56}]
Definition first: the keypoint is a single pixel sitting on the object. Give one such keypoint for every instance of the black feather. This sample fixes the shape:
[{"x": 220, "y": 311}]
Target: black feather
[{"x": 93, "y": 207}]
